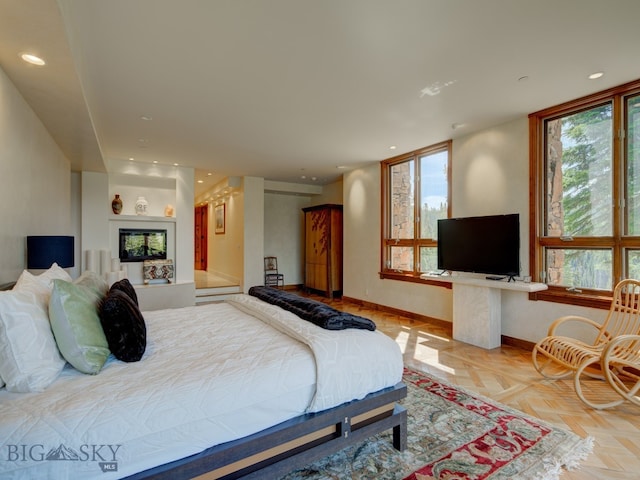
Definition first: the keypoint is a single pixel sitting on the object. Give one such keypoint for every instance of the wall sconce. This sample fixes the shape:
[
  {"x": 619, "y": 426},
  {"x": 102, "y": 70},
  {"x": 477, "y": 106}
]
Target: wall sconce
[{"x": 45, "y": 250}]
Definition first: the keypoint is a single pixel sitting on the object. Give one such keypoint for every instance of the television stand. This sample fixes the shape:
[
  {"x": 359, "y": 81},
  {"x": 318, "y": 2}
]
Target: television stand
[{"x": 477, "y": 307}]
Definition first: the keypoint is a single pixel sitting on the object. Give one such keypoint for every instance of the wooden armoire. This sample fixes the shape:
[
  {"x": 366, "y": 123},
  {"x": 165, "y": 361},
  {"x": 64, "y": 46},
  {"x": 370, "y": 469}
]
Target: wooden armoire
[{"x": 323, "y": 249}]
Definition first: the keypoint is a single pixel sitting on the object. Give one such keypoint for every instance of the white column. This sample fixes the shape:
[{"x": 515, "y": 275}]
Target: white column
[
  {"x": 476, "y": 315},
  {"x": 185, "y": 179},
  {"x": 253, "y": 188}
]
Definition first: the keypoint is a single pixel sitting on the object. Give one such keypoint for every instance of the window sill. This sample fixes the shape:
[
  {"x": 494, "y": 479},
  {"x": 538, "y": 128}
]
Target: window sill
[
  {"x": 413, "y": 278},
  {"x": 601, "y": 301}
]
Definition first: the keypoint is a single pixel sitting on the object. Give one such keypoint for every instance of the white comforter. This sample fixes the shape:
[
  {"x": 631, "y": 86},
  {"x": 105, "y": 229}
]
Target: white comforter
[
  {"x": 210, "y": 374},
  {"x": 349, "y": 363}
]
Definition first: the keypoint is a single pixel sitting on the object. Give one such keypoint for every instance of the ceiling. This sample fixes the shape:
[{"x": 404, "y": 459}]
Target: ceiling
[{"x": 286, "y": 89}]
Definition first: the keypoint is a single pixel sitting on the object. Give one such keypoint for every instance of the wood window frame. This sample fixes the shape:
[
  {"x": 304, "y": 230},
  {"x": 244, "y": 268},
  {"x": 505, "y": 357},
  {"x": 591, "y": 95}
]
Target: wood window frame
[
  {"x": 588, "y": 298},
  {"x": 416, "y": 242}
]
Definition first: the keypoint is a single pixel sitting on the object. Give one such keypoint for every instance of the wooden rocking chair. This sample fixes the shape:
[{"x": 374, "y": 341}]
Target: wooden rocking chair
[{"x": 614, "y": 355}]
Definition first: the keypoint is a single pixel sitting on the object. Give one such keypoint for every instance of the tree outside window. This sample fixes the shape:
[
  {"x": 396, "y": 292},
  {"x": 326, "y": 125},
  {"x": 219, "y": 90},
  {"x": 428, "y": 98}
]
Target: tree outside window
[{"x": 586, "y": 194}]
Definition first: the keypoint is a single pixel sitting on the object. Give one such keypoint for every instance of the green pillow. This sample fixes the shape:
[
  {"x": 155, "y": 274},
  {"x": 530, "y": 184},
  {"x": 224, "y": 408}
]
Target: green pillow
[{"x": 73, "y": 312}]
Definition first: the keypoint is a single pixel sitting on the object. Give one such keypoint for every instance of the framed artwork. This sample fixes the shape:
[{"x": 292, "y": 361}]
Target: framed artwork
[{"x": 219, "y": 219}]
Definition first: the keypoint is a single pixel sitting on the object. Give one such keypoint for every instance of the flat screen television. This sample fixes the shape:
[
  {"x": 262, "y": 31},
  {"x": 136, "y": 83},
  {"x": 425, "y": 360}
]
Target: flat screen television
[
  {"x": 136, "y": 245},
  {"x": 489, "y": 244}
]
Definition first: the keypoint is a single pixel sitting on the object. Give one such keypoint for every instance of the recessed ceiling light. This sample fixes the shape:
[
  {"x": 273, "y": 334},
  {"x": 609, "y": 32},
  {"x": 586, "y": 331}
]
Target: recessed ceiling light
[
  {"x": 131, "y": 159},
  {"x": 32, "y": 59},
  {"x": 209, "y": 174},
  {"x": 392, "y": 147},
  {"x": 175, "y": 164},
  {"x": 596, "y": 75},
  {"x": 200, "y": 181},
  {"x": 155, "y": 161},
  {"x": 147, "y": 118}
]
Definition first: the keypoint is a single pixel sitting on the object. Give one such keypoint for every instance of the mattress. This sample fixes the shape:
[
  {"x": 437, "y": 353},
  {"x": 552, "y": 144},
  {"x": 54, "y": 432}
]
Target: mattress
[{"x": 210, "y": 374}]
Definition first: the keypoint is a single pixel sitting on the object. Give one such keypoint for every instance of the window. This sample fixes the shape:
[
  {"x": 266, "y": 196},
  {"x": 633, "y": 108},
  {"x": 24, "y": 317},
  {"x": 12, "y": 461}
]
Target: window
[
  {"x": 586, "y": 202},
  {"x": 415, "y": 195}
]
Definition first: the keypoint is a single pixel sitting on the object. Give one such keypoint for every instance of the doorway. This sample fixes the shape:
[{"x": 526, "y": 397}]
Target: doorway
[{"x": 201, "y": 237}]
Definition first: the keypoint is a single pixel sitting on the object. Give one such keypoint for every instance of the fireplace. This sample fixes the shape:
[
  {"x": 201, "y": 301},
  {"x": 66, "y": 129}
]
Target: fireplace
[{"x": 137, "y": 245}]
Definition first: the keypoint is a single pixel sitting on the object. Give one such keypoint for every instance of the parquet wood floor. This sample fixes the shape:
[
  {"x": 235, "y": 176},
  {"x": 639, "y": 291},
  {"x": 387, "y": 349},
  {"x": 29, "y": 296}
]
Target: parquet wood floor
[{"x": 506, "y": 375}]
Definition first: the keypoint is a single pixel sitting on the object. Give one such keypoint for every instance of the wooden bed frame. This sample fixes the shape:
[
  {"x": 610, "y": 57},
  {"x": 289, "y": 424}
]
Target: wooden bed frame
[{"x": 296, "y": 443}]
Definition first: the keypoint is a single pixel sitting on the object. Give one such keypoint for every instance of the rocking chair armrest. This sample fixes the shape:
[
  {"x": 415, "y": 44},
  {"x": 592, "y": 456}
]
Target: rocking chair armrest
[
  {"x": 622, "y": 347},
  {"x": 571, "y": 318}
]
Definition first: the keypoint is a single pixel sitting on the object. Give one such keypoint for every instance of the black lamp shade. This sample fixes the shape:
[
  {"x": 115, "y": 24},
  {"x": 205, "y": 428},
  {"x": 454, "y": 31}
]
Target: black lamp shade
[{"x": 44, "y": 251}]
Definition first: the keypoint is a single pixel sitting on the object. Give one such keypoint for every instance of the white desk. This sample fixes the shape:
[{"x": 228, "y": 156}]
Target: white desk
[{"x": 477, "y": 307}]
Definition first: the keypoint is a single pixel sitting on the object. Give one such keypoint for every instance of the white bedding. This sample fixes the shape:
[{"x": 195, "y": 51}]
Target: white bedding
[
  {"x": 210, "y": 374},
  {"x": 349, "y": 363}
]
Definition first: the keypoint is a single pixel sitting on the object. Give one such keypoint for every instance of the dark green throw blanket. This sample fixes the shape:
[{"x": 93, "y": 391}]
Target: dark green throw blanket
[{"x": 313, "y": 311}]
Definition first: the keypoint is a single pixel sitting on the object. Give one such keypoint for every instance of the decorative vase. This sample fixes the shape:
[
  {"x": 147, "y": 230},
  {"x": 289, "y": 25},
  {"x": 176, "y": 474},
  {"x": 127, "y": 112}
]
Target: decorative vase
[
  {"x": 168, "y": 210},
  {"x": 116, "y": 205},
  {"x": 141, "y": 206}
]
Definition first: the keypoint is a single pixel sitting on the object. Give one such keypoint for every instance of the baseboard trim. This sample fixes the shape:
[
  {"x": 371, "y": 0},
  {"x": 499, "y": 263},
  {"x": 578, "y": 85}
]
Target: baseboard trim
[
  {"x": 517, "y": 343},
  {"x": 447, "y": 326}
]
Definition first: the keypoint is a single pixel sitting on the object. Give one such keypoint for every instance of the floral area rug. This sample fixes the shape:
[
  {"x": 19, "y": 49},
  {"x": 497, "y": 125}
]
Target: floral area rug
[{"x": 455, "y": 434}]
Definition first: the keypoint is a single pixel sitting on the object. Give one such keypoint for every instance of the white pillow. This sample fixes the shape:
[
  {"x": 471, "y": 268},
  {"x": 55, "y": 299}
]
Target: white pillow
[
  {"x": 29, "y": 357},
  {"x": 41, "y": 285},
  {"x": 93, "y": 281}
]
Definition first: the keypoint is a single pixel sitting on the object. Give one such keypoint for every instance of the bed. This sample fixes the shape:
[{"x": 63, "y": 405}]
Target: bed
[{"x": 239, "y": 389}]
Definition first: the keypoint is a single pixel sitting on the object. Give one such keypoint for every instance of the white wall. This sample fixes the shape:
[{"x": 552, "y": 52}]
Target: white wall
[
  {"x": 157, "y": 191},
  {"x": 331, "y": 193},
  {"x": 95, "y": 211},
  {"x": 35, "y": 181},
  {"x": 490, "y": 176},
  {"x": 362, "y": 253},
  {"x": 185, "y": 224},
  {"x": 253, "y": 215},
  {"x": 284, "y": 233},
  {"x": 76, "y": 221},
  {"x": 490, "y": 173},
  {"x": 284, "y": 226},
  {"x": 225, "y": 251}
]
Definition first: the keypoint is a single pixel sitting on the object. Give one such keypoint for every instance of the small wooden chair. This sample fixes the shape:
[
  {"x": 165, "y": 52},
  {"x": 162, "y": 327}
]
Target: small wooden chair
[
  {"x": 272, "y": 278},
  {"x": 614, "y": 355}
]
